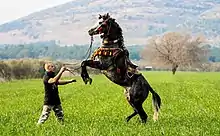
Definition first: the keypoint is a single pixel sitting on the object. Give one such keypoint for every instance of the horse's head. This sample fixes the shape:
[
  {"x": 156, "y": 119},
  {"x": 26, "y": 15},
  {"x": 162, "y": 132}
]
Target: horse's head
[{"x": 107, "y": 27}]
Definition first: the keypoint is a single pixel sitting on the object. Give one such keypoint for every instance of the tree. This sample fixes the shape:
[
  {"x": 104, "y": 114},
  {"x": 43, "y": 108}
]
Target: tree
[{"x": 175, "y": 49}]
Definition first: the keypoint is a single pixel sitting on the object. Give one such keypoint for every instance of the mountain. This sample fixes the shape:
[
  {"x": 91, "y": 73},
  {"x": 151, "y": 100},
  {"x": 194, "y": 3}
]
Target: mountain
[{"x": 69, "y": 23}]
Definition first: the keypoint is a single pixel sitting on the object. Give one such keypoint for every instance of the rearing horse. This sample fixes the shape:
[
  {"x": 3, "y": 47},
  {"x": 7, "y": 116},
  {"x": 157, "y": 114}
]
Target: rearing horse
[{"x": 112, "y": 59}]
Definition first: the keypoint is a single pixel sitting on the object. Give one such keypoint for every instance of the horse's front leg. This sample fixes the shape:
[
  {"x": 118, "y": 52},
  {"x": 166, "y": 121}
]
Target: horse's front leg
[{"x": 84, "y": 73}]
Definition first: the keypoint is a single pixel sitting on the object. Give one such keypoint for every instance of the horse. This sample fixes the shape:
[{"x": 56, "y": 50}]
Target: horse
[{"x": 112, "y": 59}]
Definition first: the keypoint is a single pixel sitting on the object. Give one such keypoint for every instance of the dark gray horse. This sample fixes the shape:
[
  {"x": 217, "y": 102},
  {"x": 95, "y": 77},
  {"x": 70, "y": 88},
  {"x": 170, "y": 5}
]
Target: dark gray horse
[{"x": 112, "y": 58}]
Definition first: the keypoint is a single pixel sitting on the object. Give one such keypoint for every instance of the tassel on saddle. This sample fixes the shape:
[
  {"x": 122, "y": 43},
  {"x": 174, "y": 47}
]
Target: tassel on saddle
[{"x": 108, "y": 52}]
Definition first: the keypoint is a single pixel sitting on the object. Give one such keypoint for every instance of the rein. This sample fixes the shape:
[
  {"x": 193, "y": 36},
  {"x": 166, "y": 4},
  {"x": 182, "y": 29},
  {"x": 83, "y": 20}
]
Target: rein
[{"x": 88, "y": 52}]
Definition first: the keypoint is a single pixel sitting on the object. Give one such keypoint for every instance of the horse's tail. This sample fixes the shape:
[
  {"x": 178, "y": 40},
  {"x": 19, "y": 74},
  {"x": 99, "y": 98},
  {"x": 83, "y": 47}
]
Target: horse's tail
[{"x": 156, "y": 102}]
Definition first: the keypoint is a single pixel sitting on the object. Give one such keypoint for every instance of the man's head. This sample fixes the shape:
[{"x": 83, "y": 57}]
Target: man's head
[{"x": 49, "y": 67}]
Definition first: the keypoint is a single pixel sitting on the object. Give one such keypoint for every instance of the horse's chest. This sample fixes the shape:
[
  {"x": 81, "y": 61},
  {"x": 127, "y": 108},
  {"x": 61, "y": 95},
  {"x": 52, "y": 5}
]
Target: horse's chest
[{"x": 106, "y": 61}]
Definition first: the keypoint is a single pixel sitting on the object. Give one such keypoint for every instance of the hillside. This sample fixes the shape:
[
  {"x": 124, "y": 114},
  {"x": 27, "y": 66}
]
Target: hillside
[{"x": 139, "y": 19}]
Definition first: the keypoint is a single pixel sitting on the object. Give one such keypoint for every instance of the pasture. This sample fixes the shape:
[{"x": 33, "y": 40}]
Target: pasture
[{"x": 190, "y": 107}]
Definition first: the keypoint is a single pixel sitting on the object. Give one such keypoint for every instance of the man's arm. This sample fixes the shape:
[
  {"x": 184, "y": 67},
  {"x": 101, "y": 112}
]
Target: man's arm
[
  {"x": 64, "y": 82},
  {"x": 57, "y": 77}
]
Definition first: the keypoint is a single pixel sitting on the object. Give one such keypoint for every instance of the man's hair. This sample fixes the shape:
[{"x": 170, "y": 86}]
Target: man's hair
[{"x": 46, "y": 65}]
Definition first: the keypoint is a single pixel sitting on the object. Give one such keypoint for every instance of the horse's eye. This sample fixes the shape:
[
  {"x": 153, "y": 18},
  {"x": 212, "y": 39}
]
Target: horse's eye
[{"x": 100, "y": 23}]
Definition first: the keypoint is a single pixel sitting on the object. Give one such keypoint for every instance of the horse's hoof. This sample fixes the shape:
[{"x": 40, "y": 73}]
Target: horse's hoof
[
  {"x": 127, "y": 120},
  {"x": 90, "y": 81},
  {"x": 143, "y": 121},
  {"x": 85, "y": 81}
]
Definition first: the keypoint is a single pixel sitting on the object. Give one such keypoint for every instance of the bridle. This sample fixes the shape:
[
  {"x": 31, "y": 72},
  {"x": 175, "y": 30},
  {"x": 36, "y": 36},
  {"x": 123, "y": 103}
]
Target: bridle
[
  {"x": 99, "y": 28},
  {"x": 89, "y": 50}
]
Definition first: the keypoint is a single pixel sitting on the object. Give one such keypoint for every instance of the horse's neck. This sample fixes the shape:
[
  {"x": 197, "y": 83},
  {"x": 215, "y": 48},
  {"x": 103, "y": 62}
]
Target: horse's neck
[{"x": 113, "y": 42}]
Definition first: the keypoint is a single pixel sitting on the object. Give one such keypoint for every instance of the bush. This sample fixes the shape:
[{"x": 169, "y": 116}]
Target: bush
[
  {"x": 24, "y": 69},
  {"x": 32, "y": 68},
  {"x": 5, "y": 71}
]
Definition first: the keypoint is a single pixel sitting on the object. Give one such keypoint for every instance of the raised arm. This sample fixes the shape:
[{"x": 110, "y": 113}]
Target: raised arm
[{"x": 57, "y": 77}]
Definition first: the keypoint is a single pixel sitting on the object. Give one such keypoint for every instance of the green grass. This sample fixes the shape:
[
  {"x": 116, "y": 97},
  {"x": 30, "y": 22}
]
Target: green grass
[{"x": 190, "y": 107}]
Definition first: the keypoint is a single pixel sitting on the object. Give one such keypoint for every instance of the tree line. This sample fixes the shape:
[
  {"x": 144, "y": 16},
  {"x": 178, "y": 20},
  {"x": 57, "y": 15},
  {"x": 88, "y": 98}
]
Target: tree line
[
  {"x": 77, "y": 52},
  {"x": 54, "y": 51}
]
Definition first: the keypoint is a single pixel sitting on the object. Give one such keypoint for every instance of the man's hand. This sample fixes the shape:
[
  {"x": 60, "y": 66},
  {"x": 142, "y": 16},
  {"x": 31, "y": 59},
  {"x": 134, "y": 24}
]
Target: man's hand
[
  {"x": 57, "y": 77},
  {"x": 63, "y": 68}
]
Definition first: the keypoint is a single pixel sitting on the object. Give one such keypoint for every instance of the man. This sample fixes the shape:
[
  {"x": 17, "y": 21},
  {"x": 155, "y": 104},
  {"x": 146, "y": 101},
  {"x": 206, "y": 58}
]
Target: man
[{"x": 51, "y": 98}]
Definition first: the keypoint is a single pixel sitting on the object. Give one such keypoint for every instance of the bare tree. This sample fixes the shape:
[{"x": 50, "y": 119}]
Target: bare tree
[{"x": 175, "y": 49}]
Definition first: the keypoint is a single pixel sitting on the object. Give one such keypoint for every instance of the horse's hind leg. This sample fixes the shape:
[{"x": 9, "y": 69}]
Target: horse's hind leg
[
  {"x": 132, "y": 115},
  {"x": 138, "y": 109},
  {"x": 136, "y": 105},
  {"x": 138, "y": 94},
  {"x": 141, "y": 112},
  {"x": 128, "y": 99}
]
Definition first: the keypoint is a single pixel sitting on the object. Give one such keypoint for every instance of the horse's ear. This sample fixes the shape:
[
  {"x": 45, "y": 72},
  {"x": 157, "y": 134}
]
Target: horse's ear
[
  {"x": 100, "y": 16},
  {"x": 108, "y": 15}
]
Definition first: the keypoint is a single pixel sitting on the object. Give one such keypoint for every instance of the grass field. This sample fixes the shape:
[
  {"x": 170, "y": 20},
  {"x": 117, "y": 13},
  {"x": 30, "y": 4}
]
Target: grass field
[{"x": 190, "y": 107}]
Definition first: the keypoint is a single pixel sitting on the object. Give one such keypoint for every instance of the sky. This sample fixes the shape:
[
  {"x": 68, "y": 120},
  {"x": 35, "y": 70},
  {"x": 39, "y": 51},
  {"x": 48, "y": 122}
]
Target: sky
[{"x": 14, "y": 9}]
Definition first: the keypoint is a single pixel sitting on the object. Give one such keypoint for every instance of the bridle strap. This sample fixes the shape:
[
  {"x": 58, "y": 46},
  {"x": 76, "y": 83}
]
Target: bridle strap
[{"x": 109, "y": 28}]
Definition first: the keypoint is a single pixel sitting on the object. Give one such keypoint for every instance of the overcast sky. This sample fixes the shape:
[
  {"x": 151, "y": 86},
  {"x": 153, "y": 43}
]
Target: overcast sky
[{"x": 13, "y": 9}]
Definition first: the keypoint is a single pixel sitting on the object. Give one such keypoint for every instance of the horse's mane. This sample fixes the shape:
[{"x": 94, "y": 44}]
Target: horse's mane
[{"x": 120, "y": 33}]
